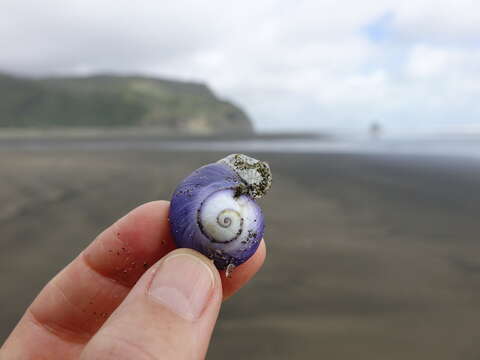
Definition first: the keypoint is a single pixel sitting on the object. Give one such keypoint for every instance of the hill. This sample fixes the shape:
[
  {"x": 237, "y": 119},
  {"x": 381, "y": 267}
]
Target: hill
[{"x": 114, "y": 101}]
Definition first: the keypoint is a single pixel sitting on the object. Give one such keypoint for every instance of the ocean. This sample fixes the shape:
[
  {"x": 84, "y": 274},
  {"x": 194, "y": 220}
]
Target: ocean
[{"x": 449, "y": 147}]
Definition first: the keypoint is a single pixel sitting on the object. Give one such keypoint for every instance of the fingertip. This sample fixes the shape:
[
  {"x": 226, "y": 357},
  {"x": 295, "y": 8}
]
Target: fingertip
[
  {"x": 132, "y": 244},
  {"x": 200, "y": 257},
  {"x": 243, "y": 273}
]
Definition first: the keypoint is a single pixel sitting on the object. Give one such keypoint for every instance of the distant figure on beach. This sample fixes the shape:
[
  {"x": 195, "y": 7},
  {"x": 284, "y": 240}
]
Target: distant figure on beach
[{"x": 375, "y": 130}]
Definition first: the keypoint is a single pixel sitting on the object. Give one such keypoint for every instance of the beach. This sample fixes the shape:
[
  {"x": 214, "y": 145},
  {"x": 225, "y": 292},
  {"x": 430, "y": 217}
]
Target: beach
[{"x": 370, "y": 256}]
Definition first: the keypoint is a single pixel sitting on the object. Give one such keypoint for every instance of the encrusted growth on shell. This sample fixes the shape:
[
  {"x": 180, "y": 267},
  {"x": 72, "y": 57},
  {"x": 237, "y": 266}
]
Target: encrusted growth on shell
[{"x": 255, "y": 173}]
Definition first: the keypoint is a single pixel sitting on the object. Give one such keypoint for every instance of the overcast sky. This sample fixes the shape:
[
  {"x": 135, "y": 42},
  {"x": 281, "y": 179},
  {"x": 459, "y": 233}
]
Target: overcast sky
[{"x": 291, "y": 64}]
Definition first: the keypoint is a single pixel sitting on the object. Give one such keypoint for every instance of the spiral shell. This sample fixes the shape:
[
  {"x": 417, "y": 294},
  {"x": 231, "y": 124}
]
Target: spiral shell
[{"x": 213, "y": 210}]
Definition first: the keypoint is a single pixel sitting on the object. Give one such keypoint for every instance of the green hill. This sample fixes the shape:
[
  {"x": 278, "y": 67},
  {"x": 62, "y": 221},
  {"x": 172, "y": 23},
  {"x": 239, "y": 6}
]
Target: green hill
[{"x": 114, "y": 101}]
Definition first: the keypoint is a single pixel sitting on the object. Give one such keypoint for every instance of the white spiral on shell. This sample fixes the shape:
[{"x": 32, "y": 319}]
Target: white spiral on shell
[
  {"x": 223, "y": 218},
  {"x": 229, "y": 217}
]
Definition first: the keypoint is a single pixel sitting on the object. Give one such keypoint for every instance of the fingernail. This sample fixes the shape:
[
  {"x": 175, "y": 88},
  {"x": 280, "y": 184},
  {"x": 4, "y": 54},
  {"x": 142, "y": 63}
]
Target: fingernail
[{"x": 183, "y": 283}]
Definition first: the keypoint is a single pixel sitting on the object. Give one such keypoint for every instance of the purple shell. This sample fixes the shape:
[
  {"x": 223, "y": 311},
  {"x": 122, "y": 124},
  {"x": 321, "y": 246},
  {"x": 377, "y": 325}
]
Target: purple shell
[{"x": 213, "y": 211}]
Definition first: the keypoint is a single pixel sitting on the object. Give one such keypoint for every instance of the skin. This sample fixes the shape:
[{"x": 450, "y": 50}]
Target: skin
[{"x": 98, "y": 307}]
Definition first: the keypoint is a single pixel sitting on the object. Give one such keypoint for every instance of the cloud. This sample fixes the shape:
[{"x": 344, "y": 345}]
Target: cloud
[
  {"x": 380, "y": 29},
  {"x": 306, "y": 64},
  {"x": 444, "y": 21}
]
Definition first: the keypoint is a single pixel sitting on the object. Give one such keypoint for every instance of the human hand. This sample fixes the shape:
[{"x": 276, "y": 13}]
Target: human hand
[{"x": 109, "y": 303}]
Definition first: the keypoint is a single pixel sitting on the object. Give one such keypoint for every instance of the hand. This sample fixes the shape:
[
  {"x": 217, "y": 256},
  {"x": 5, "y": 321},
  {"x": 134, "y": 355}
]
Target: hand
[{"x": 129, "y": 296}]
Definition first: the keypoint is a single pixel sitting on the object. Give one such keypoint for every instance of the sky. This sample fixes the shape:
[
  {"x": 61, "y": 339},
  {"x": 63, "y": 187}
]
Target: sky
[{"x": 304, "y": 65}]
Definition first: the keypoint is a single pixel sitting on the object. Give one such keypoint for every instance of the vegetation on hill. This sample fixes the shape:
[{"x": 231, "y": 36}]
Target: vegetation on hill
[{"x": 106, "y": 101}]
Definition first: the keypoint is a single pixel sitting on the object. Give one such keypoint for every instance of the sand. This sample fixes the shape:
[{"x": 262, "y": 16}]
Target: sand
[{"x": 368, "y": 257}]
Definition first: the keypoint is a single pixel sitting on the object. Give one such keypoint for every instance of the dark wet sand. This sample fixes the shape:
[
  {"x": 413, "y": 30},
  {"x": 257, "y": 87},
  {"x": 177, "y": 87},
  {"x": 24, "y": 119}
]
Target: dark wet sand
[{"x": 368, "y": 257}]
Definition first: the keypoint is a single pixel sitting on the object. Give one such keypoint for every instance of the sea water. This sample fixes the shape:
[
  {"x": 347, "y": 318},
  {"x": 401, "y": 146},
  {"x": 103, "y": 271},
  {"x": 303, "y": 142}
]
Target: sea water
[{"x": 445, "y": 146}]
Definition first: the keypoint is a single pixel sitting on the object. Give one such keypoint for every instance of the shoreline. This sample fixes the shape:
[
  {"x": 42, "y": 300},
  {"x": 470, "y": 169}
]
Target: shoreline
[{"x": 145, "y": 133}]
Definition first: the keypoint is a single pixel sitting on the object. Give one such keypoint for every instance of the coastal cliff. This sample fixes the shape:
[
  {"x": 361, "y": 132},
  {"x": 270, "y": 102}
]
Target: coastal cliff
[{"x": 105, "y": 101}]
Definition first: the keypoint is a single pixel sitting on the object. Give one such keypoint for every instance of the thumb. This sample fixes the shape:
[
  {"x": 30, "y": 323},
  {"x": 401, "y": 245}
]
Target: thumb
[{"x": 169, "y": 314}]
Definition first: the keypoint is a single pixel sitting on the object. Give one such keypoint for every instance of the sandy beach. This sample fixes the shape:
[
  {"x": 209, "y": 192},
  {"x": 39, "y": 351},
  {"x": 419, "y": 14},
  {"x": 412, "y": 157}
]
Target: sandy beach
[{"x": 369, "y": 256}]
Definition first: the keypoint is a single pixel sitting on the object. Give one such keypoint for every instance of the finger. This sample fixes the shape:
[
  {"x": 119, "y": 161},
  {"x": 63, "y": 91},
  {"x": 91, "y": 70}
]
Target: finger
[
  {"x": 169, "y": 314},
  {"x": 76, "y": 302},
  {"x": 243, "y": 273}
]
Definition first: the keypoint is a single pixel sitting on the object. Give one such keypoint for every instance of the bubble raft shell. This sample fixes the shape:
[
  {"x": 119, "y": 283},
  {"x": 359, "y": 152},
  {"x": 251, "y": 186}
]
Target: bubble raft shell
[{"x": 214, "y": 212}]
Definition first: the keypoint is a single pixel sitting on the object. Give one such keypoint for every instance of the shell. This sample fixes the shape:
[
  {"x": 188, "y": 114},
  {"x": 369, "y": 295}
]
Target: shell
[{"x": 214, "y": 210}]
